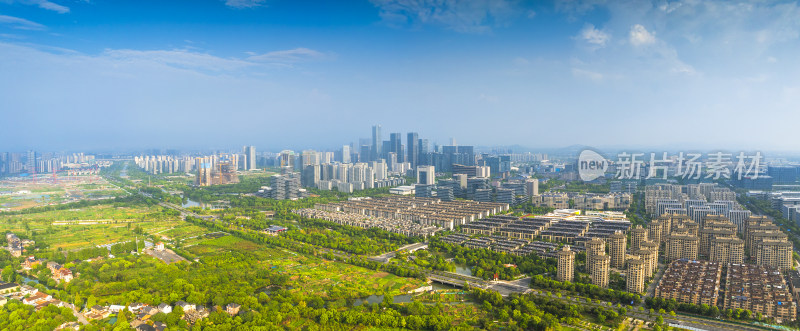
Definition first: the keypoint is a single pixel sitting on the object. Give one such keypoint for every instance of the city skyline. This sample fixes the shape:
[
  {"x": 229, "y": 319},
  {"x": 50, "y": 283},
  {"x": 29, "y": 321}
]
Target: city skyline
[{"x": 100, "y": 75}]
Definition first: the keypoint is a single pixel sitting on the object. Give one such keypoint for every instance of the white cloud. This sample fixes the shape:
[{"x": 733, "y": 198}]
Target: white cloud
[
  {"x": 488, "y": 98},
  {"x": 194, "y": 60},
  {"x": 20, "y": 23},
  {"x": 242, "y": 4},
  {"x": 288, "y": 56},
  {"x": 476, "y": 16},
  {"x": 586, "y": 74},
  {"x": 177, "y": 58},
  {"x": 594, "y": 36},
  {"x": 44, "y": 4},
  {"x": 521, "y": 61},
  {"x": 639, "y": 36}
]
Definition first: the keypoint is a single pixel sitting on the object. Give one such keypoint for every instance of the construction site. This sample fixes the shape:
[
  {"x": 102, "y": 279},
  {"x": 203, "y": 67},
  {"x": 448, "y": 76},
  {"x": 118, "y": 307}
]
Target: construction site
[{"x": 70, "y": 185}]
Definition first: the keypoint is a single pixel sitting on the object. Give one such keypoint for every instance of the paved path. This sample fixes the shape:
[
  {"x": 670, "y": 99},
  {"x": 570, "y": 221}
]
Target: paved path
[{"x": 81, "y": 319}]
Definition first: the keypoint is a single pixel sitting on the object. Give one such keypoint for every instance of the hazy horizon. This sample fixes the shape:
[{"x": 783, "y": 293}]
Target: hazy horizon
[{"x": 279, "y": 74}]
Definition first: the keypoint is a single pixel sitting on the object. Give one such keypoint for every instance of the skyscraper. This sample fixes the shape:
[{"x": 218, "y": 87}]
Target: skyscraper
[
  {"x": 346, "y": 154},
  {"x": 396, "y": 145},
  {"x": 377, "y": 142},
  {"x": 30, "y": 166},
  {"x": 426, "y": 175},
  {"x": 413, "y": 149},
  {"x": 249, "y": 157}
]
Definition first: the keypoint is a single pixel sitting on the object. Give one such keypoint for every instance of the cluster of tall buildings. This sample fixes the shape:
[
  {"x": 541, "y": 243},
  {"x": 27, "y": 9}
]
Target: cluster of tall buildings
[
  {"x": 284, "y": 187},
  {"x": 167, "y": 164},
  {"x": 408, "y": 148},
  {"x": 699, "y": 246},
  {"x": 713, "y": 238},
  {"x": 718, "y": 239},
  {"x": 760, "y": 289},
  {"x": 216, "y": 170},
  {"x": 316, "y": 170},
  {"x": 639, "y": 263},
  {"x": 696, "y": 201},
  {"x": 34, "y": 162}
]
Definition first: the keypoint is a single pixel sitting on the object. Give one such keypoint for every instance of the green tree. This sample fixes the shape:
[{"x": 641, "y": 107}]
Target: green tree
[
  {"x": 90, "y": 302},
  {"x": 8, "y": 273},
  {"x": 122, "y": 322}
]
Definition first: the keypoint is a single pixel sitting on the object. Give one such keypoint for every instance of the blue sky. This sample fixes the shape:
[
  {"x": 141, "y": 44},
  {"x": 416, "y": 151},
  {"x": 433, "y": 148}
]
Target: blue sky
[{"x": 277, "y": 74}]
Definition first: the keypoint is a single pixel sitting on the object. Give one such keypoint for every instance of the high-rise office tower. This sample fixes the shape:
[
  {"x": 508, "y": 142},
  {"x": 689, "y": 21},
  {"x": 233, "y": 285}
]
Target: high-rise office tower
[
  {"x": 377, "y": 142},
  {"x": 286, "y": 159},
  {"x": 424, "y": 146},
  {"x": 396, "y": 146},
  {"x": 309, "y": 157},
  {"x": 532, "y": 186},
  {"x": 566, "y": 265},
  {"x": 617, "y": 248},
  {"x": 413, "y": 149},
  {"x": 346, "y": 154},
  {"x": 249, "y": 157},
  {"x": 426, "y": 175}
]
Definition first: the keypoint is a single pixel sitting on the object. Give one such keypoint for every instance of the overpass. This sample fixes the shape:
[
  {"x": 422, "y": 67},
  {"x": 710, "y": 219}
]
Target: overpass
[
  {"x": 383, "y": 258},
  {"x": 454, "y": 279}
]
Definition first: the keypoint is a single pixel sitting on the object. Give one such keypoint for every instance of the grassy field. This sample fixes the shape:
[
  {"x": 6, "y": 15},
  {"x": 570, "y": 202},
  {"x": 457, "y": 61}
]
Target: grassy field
[
  {"x": 100, "y": 212},
  {"x": 46, "y": 192},
  {"x": 310, "y": 275},
  {"x": 76, "y": 236},
  {"x": 91, "y": 226}
]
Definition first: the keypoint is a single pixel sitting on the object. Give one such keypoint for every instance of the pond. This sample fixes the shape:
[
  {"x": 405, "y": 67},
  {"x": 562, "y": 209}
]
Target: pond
[
  {"x": 26, "y": 280},
  {"x": 272, "y": 288},
  {"x": 462, "y": 269},
  {"x": 190, "y": 203},
  {"x": 373, "y": 299}
]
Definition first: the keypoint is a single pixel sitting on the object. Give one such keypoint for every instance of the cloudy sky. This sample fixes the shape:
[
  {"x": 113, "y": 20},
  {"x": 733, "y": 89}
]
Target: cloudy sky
[{"x": 99, "y": 74}]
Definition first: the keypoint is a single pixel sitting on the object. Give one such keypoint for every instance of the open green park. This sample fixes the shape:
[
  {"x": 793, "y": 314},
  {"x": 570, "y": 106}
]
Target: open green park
[
  {"x": 314, "y": 276},
  {"x": 90, "y": 226}
]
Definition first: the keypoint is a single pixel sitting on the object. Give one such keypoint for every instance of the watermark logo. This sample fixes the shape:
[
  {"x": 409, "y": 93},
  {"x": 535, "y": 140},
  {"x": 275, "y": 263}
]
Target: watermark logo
[
  {"x": 636, "y": 166},
  {"x": 591, "y": 165}
]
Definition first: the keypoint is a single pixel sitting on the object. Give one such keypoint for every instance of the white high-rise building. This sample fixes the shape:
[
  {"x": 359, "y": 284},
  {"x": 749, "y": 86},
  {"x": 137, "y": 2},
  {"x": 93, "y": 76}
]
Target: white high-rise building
[
  {"x": 426, "y": 175},
  {"x": 249, "y": 157}
]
